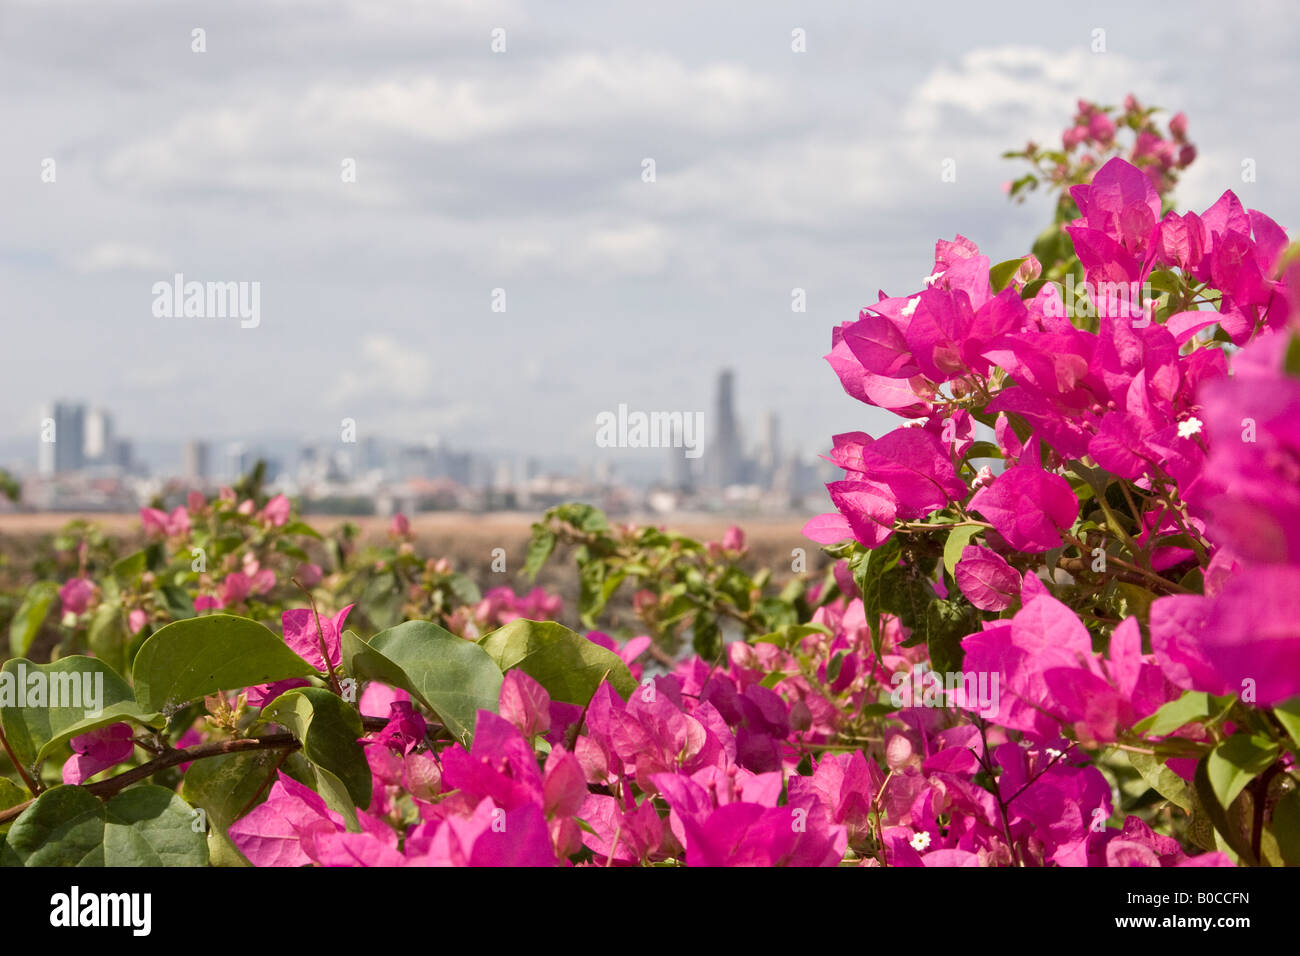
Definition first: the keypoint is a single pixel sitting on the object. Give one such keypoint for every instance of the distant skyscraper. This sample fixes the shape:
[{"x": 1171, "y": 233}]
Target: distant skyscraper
[
  {"x": 769, "y": 447},
  {"x": 194, "y": 460},
  {"x": 727, "y": 465},
  {"x": 98, "y": 447},
  {"x": 67, "y": 450}
]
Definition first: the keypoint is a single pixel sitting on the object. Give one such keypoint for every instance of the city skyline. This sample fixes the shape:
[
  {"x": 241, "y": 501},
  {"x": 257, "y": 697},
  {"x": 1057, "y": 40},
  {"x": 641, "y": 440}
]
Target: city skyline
[{"x": 79, "y": 449}]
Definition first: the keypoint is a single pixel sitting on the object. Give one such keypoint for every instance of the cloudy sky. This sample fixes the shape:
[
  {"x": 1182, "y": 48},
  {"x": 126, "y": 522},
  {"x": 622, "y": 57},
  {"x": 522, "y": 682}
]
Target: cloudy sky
[{"x": 522, "y": 170}]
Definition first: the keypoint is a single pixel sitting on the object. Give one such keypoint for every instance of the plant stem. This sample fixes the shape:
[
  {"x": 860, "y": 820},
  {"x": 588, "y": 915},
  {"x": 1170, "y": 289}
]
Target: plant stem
[
  {"x": 32, "y": 785},
  {"x": 324, "y": 650}
]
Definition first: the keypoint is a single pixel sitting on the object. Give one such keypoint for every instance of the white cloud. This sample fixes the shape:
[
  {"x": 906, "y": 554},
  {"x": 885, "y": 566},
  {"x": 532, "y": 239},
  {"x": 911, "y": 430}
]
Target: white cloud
[
  {"x": 386, "y": 368},
  {"x": 118, "y": 257}
]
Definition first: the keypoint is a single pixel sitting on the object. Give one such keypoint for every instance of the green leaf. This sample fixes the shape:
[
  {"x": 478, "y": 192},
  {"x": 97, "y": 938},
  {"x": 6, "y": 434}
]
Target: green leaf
[
  {"x": 464, "y": 589},
  {"x": 946, "y": 623},
  {"x": 453, "y": 677},
  {"x": 143, "y": 826},
  {"x": 983, "y": 449},
  {"x": 328, "y": 729},
  {"x": 1190, "y": 707},
  {"x": 1292, "y": 362},
  {"x": 227, "y": 783},
  {"x": 1288, "y": 715},
  {"x": 568, "y": 665},
  {"x": 870, "y": 570},
  {"x": 382, "y": 601},
  {"x": 1286, "y": 827},
  {"x": 958, "y": 538},
  {"x": 1237, "y": 761},
  {"x": 1163, "y": 280},
  {"x": 176, "y": 600},
  {"x": 706, "y": 636},
  {"x": 540, "y": 547},
  {"x": 1000, "y": 275},
  {"x": 127, "y": 571},
  {"x": 591, "y": 591},
  {"x": 90, "y": 694},
  {"x": 301, "y": 527},
  {"x": 587, "y": 518},
  {"x": 30, "y": 615},
  {"x": 1161, "y": 779},
  {"x": 151, "y": 826},
  {"x": 107, "y": 636},
  {"x": 1218, "y": 814},
  {"x": 190, "y": 659},
  {"x": 10, "y": 796},
  {"x": 64, "y": 827}
]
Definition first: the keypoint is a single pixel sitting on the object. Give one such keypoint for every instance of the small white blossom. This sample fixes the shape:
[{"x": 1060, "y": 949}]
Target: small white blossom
[
  {"x": 910, "y": 307},
  {"x": 932, "y": 278},
  {"x": 1189, "y": 428},
  {"x": 920, "y": 841},
  {"x": 1052, "y": 752}
]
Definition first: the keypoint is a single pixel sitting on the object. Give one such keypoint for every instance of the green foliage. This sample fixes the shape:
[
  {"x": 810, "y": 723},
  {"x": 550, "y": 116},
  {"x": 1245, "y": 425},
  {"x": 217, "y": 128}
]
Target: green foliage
[
  {"x": 453, "y": 677},
  {"x": 190, "y": 659},
  {"x": 568, "y": 665},
  {"x": 143, "y": 826}
]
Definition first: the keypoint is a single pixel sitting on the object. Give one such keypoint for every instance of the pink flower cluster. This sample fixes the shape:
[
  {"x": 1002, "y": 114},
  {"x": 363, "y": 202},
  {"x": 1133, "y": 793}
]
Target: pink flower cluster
[{"x": 700, "y": 766}]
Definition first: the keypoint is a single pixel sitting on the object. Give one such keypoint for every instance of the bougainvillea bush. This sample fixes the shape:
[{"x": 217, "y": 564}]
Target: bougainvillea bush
[{"x": 1061, "y": 627}]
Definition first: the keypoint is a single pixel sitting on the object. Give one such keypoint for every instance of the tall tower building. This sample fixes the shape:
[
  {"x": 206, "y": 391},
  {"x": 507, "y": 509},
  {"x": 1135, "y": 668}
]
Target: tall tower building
[
  {"x": 769, "y": 447},
  {"x": 63, "y": 439},
  {"x": 726, "y": 462},
  {"x": 98, "y": 448},
  {"x": 194, "y": 460}
]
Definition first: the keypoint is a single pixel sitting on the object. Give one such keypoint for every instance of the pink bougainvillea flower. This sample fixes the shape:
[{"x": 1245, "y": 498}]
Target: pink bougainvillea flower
[
  {"x": 154, "y": 521},
  {"x": 1028, "y": 506},
  {"x": 195, "y": 500},
  {"x": 262, "y": 694},
  {"x": 235, "y": 588},
  {"x": 749, "y": 834},
  {"x": 733, "y": 539},
  {"x": 500, "y": 765},
  {"x": 377, "y": 699},
  {"x": 271, "y": 834},
  {"x": 136, "y": 619},
  {"x": 98, "y": 750},
  {"x": 400, "y": 526},
  {"x": 303, "y": 638},
  {"x": 986, "y": 579},
  {"x": 276, "y": 511},
  {"x": 159, "y": 522},
  {"x": 1251, "y": 491},
  {"x": 1044, "y": 634},
  {"x": 525, "y": 703},
  {"x": 404, "y": 731},
  {"x": 208, "y": 602},
  {"x": 308, "y": 575},
  {"x": 915, "y": 468},
  {"x": 491, "y": 836},
  {"x": 1245, "y": 639},
  {"x": 76, "y": 595}
]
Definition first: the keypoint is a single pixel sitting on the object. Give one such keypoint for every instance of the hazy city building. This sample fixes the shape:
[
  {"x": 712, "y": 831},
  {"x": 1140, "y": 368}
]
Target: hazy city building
[
  {"x": 67, "y": 451},
  {"x": 195, "y": 461},
  {"x": 724, "y": 454},
  {"x": 98, "y": 446}
]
